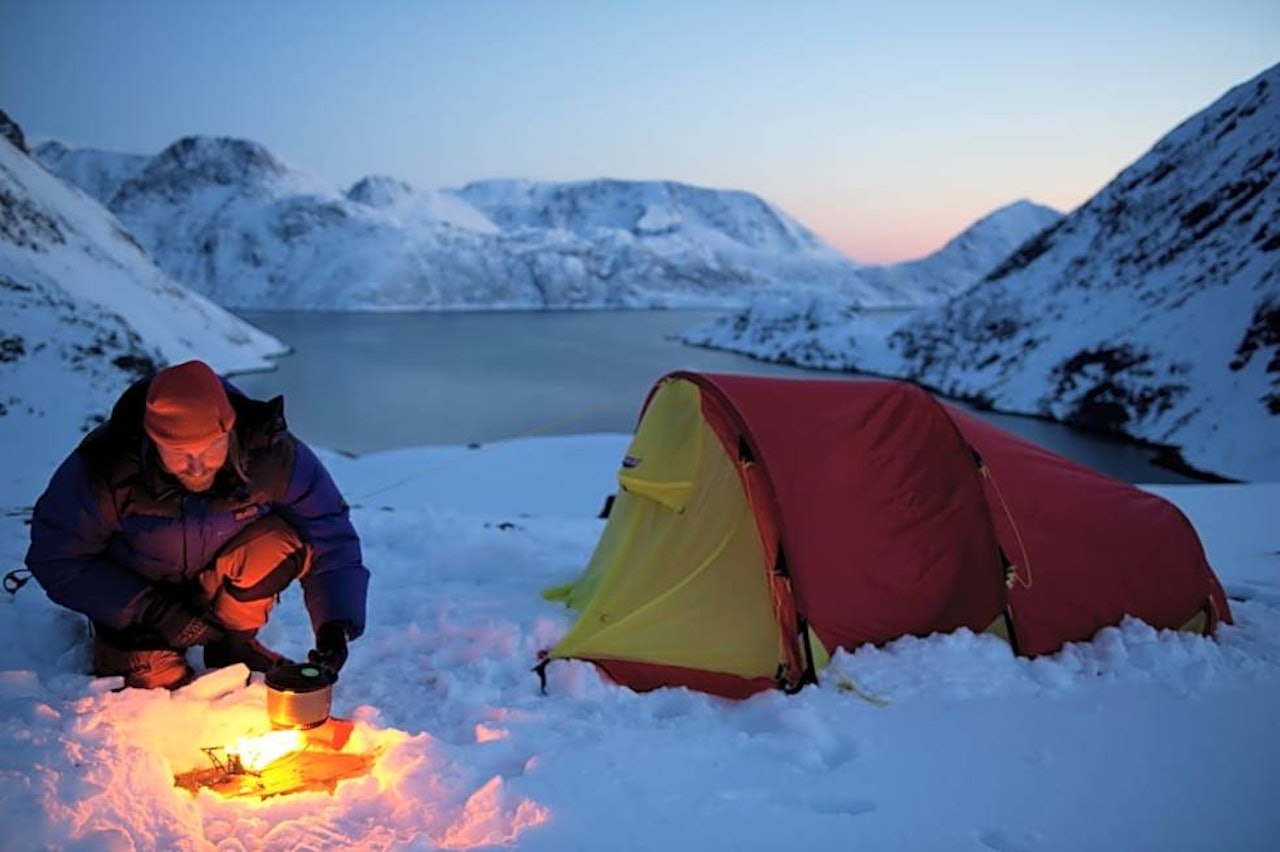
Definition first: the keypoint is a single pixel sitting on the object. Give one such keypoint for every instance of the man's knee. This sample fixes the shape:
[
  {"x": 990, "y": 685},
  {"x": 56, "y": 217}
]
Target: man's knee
[
  {"x": 262, "y": 560},
  {"x": 252, "y": 569}
]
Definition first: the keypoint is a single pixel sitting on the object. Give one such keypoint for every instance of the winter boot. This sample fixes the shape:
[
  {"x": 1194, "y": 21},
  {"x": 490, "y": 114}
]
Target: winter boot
[
  {"x": 242, "y": 646},
  {"x": 140, "y": 656},
  {"x": 142, "y": 668}
]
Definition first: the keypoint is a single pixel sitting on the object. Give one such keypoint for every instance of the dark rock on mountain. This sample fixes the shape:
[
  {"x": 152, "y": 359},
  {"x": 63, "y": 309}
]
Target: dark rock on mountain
[{"x": 10, "y": 130}]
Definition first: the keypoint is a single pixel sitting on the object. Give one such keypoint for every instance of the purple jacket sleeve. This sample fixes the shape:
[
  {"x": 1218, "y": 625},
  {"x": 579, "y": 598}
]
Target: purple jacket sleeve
[
  {"x": 336, "y": 587},
  {"x": 68, "y": 540}
]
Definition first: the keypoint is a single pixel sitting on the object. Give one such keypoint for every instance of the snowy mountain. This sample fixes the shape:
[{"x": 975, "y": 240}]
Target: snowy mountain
[
  {"x": 718, "y": 219},
  {"x": 963, "y": 261},
  {"x": 99, "y": 173},
  {"x": 86, "y": 311},
  {"x": 1153, "y": 310},
  {"x": 231, "y": 220},
  {"x": 423, "y": 206}
]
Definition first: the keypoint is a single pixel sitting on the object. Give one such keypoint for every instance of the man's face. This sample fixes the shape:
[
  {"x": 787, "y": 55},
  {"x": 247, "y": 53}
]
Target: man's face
[{"x": 195, "y": 465}]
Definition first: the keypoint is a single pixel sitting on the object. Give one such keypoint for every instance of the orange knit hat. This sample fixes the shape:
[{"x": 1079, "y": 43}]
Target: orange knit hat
[{"x": 187, "y": 405}]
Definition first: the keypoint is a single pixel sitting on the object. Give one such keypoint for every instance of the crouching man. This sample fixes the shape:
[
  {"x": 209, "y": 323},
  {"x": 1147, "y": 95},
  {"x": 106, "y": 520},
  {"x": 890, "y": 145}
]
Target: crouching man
[{"x": 178, "y": 522}]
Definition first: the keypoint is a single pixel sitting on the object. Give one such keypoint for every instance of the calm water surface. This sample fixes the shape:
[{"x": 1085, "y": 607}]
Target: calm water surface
[{"x": 362, "y": 382}]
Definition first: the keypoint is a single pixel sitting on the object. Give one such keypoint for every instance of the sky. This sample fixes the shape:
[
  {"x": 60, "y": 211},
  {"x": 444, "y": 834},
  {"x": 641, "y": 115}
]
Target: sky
[
  {"x": 1138, "y": 739},
  {"x": 886, "y": 128}
]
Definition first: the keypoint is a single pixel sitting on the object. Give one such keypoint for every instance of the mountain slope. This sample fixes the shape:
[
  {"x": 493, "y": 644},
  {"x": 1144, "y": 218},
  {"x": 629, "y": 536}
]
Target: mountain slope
[
  {"x": 85, "y": 312},
  {"x": 821, "y": 331},
  {"x": 969, "y": 256},
  {"x": 408, "y": 204},
  {"x": 1153, "y": 310},
  {"x": 99, "y": 173}
]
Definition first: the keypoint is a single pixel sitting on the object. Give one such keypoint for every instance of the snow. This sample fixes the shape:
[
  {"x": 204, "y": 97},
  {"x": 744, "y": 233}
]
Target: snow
[
  {"x": 418, "y": 207},
  {"x": 99, "y": 173},
  {"x": 1139, "y": 739}
]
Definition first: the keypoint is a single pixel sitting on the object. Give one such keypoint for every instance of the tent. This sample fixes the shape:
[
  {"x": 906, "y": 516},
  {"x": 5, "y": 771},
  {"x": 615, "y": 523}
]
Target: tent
[{"x": 762, "y": 523}]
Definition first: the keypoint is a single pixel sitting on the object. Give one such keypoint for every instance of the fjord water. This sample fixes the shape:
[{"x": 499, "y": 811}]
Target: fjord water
[{"x": 363, "y": 382}]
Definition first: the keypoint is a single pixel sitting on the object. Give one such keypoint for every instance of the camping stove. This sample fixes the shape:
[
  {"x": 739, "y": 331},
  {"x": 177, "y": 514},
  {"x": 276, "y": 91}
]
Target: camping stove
[{"x": 299, "y": 695}]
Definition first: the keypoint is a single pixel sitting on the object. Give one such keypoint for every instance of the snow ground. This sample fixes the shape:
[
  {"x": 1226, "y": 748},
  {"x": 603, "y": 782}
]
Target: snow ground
[{"x": 1137, "y": 740}]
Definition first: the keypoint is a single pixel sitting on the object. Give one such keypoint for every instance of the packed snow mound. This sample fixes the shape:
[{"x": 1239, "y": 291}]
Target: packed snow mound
[
  {"x": 232, "y": 221},
  {"x": 86, "y": 313},
  {"x": 1150, "y": 311}
]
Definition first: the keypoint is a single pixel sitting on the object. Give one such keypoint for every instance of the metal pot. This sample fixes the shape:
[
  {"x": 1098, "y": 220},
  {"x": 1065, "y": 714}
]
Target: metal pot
[{"x": 298, "y": 695}]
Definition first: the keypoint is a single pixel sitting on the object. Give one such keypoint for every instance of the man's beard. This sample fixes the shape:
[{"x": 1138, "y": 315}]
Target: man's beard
[{"x": 197, "y": 484}]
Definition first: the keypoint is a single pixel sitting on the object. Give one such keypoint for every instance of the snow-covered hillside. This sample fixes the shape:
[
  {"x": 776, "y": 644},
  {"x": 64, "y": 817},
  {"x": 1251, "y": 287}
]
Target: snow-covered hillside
[
  {"x": 1153, "y": 310},
  {"x": 426, "y": 207},
  {"x": 963, "y": 261},
  {"x": 84, "y": 312},
  {"x": 230, "y": 219},
  {"x": 718, "y": 219},
  {"x": 99, "y": 173}
]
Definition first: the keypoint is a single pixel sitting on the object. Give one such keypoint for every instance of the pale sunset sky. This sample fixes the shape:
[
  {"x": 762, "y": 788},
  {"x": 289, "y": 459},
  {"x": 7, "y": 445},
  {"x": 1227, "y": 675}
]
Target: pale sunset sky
[{"x": 885, "y": 127}]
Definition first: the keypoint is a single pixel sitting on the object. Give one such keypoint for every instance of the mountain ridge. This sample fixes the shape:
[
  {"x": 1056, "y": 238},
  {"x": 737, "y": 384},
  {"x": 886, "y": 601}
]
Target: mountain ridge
[{"x": 255, "y": 233}]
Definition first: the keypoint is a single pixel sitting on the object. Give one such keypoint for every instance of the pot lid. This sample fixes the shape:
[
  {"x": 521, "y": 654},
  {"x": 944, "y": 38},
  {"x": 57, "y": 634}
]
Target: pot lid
[{"x": 299, "y": 677}]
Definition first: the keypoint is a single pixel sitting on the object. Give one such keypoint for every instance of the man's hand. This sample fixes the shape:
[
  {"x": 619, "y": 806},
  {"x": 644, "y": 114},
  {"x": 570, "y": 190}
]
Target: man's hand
[
  {"x": 330, "y": 652},
  {"x": 178, "y": 626}
]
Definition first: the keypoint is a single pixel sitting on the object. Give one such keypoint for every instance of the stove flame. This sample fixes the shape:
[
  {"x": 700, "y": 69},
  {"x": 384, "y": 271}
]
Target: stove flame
[{"x": 257, "y": 753}]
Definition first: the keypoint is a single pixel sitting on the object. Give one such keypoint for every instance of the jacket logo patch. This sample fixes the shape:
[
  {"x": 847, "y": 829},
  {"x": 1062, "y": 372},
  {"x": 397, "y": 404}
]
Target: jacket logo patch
[{"x": 247, "y": 512}]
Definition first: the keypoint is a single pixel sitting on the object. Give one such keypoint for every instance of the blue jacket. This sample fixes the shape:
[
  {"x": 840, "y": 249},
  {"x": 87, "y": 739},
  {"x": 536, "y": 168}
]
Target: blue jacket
[{"x": 113, "y": 522}]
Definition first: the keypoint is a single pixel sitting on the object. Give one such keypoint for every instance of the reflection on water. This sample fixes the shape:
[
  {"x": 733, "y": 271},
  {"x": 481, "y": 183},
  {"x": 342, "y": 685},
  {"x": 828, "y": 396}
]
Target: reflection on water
[{"x": 361, "y": 382}]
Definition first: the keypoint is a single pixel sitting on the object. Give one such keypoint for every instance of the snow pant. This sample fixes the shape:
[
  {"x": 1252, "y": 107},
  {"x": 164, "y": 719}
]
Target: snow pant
[{"x": 236, "y": 592}]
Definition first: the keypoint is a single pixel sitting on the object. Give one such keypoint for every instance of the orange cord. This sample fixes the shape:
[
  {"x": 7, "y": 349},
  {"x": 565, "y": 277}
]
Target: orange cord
[{"x": 1026, "y": 558}]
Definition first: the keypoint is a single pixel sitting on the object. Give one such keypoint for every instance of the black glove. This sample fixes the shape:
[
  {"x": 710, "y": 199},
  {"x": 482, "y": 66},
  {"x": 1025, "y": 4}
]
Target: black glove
[
  {"x": 177, "y": 625},
  {"x": 330, "y": 652}
]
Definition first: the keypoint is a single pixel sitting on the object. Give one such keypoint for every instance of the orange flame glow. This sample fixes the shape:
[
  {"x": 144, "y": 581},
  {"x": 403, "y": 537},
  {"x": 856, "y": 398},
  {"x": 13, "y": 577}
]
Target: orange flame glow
[{"x": 257, "y": 753}]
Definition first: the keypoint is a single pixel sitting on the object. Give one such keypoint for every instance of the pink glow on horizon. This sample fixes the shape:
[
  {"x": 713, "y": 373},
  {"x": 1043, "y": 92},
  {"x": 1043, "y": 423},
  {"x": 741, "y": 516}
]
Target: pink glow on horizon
[
  {"x": 892, "y": 239},
  {"x": 873, "y": 249},
  {"x": 885, "y": 224}
]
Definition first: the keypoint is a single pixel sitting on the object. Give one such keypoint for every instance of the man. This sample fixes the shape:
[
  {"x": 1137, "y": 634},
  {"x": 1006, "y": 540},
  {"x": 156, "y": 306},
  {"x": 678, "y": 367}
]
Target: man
[{"x": 178, "y": 522}]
